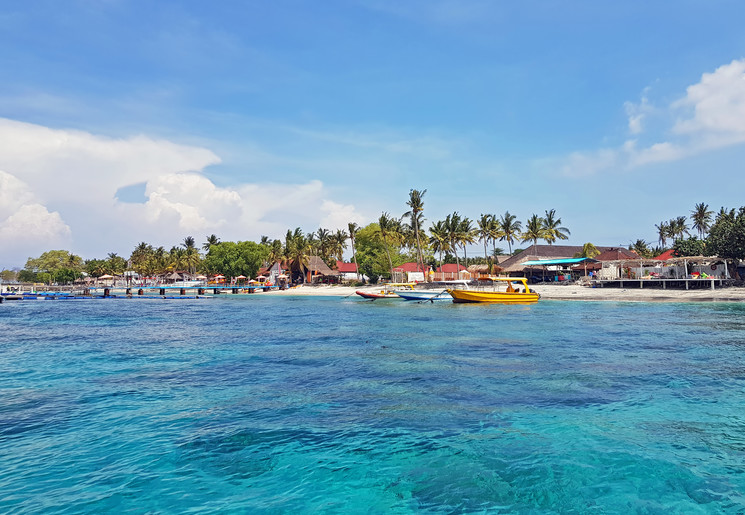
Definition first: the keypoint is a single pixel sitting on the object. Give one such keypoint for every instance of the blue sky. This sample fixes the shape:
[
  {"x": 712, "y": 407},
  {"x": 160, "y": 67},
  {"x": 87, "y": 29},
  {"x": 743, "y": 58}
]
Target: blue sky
[{"x": 123, "y": 121}]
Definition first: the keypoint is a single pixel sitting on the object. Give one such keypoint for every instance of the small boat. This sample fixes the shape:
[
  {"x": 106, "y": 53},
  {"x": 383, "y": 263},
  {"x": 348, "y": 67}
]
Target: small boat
[
  {"x": 380, "y": 294},
  {"x": 434, "y": 292},
  {"x": 511, "y": 293}
]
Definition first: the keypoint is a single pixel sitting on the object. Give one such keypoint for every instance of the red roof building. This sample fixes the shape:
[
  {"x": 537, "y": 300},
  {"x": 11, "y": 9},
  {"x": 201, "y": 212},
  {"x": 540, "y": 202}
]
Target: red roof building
[
  {"x": 666, "y": 255},
  {"x": 451, "y": 268},
  {"x": 346, "y": 268},
  {"x": 408, "y": 267}
]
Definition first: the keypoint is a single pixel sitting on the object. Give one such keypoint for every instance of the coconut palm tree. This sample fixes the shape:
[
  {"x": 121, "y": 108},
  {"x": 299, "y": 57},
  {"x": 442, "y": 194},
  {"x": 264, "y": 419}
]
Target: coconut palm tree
[
  {"x": 724, "y": 213},
  {"x": 486, "y": 225},
  {"x": 511, "y": 228},
  {"x": 552, "y": 228},
  {"x": 388, "y": 229},
  {"x": 353, "y": 229},
  {"x": 534, "y": 229},
  {"x": 439, "y": 238},
  {"x": 338, "y": 242},
  {"x": 189, "y": 242},
  {"x": 701, "y": 217},
  {"x": 663, "y": 232},
  {"x": 466, "y": 236},
  {"x": 641, "y": 247},
  {"x": 275, "y": 252},
  {"x": 324, "y": 241},
  {"x": 417, "y": 206},
  {"x": 588, "y": 251},
  {"x": 678, "y": 227},
  {"x": 452, "y": 227},
  {"x": 190, "y": 257},
  {"x": 298, "y": 249},
  {"x": 211, "y": 240}
]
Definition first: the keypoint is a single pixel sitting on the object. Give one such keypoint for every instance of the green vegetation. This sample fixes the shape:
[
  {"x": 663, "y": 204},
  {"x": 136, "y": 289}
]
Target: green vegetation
[{"x": 381, "y": 246}]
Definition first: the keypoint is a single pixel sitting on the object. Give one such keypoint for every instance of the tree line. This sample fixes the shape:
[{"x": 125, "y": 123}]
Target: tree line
[
  {"x": 381, "y": 246},
  {"x": 377, "y": 248},
  {"x": 721, "y": 234}
]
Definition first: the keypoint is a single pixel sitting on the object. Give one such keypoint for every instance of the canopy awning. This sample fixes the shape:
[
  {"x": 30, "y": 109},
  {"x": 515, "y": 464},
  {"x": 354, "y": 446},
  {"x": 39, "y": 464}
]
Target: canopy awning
[{"x": 568, "y": 261}]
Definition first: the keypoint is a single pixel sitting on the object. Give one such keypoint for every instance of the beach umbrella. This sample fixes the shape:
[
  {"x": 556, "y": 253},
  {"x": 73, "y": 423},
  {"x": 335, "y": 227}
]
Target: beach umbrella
[{"x": 106, "y": 276}]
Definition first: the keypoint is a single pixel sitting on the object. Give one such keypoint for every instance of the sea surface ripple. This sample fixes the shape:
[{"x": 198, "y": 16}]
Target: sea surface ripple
[{"x": 319, "y": 404}]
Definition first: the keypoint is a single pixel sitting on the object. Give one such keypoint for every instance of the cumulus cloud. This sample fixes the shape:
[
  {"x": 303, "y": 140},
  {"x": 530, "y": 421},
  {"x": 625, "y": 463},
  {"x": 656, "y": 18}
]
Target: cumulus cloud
[
  {"x": 718, "y": 104},
  {"x": 24, "y": 222},
  {"x": 59, "y": 188},
  {"x": 712, "y": 116},
  {"x": 337, "y": 216}
]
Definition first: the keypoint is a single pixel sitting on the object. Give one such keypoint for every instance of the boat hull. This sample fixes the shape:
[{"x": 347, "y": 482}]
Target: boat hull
[
  {"x": 376, "y": 295},
  {"x": 493, "y": 296},
  {"x": 424, "y": 295}
]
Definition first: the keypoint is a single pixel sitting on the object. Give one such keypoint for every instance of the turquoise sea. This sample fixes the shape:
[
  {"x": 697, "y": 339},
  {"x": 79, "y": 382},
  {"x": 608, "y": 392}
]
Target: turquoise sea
[{"x": 297, "y": 405}]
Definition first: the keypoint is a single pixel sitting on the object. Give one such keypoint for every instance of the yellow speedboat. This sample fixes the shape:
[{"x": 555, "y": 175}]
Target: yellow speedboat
[{"x": 515, "y": 290}]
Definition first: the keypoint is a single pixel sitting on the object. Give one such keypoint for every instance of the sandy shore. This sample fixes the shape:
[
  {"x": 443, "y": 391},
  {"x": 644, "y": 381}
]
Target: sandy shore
[{"x": 566, "y": 292}]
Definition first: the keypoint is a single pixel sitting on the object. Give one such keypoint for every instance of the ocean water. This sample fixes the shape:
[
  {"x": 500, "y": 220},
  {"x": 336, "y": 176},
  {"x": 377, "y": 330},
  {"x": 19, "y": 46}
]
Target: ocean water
[{"x": 328, "y": 405}]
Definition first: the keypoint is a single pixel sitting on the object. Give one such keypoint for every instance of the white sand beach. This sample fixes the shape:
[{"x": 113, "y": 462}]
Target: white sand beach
[{"x": 565, "y": 292}]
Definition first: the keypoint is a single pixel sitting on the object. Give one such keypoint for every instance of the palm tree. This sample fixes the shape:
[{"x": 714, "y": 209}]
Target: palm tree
[
  {"x": 323, "y": 242},
  {"x": 552, "y": 228},
  {"x": 338, "y": 244},
  {"x": 190, "y": 257},
  {"x": 588, "y": 251},
  {"x": 387, "y": 229},
  {"x": 140, "y": 256},
  {"x": 188, "y": 243},
  {"x": 485, "y": 231},
  {"x": 466, "y": 236},
  {"x": 353, "y": 229},
  {"x": 534, "y": 230},
  {"x": 211, "y": 240},
  {"x": 452, "y": 227},
  {"x": 724, "y": 213},
  {"x": 678, "y": 227},
  {"x": 641, "y": 247},
  {"x": 511, "y": 228},
  {"x": 439, "y": 238},
  {"x": 701, "y": 216},
  {"x": 417, "y": 206},
  {"x": 298, "y": 249},
  {"x": 275, "y": 251},
  {"x": 663, "y": 231}
]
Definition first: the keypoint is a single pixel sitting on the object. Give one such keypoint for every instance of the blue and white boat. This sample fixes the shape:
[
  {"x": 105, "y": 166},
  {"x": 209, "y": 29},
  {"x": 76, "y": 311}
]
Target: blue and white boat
[{"x": 432, "y": 292}]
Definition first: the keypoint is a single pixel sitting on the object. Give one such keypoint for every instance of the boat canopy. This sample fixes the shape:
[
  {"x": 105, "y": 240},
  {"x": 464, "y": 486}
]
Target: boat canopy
[{"x": 568, "y": 261}]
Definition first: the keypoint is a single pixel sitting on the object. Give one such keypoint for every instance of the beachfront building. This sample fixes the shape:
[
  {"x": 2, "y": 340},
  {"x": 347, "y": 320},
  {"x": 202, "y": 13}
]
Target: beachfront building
[
  {"x": 348, "y": 272},
  {"x": 451, "y": 272},
  {"x": 514, "y": 265},
  {"x": 408, "y": 273}
]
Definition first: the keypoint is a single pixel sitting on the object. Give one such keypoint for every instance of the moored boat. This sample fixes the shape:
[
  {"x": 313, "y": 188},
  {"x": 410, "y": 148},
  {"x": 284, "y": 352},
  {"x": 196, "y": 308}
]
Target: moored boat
[
  {"x": 379, "y": 294},
  {"x": 432, "y": 291},
  {"x": 516, "y": 290}
]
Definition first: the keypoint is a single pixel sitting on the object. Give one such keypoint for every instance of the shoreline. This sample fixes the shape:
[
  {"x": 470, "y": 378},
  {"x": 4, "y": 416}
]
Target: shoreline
[{"x": 561, "y": 292}]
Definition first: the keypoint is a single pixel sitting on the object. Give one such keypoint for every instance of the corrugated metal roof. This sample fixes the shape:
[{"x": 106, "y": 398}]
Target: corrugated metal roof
[{"x": 570, "y": 261}]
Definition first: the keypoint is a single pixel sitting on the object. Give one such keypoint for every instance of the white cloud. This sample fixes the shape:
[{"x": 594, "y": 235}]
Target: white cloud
[
  {"x": 24, "y": 222},
  {"x": 718, "y": 103},
  {"x": 580, "y": 164},
  {"x": 337, "y": 216},
  {"x": 636, "y": 113},
  {"x": 716, "y": 118},
  {"x": 59, "y": 187},
  {"x": 33, "y": 224}
]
